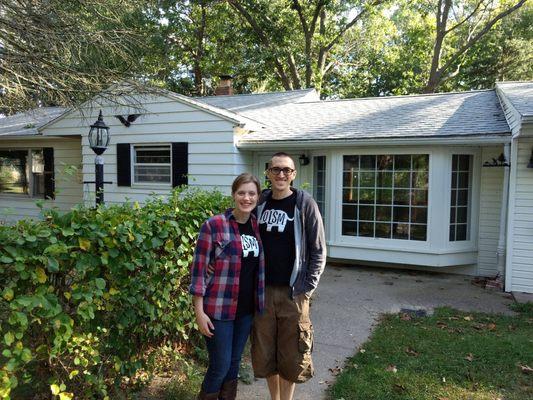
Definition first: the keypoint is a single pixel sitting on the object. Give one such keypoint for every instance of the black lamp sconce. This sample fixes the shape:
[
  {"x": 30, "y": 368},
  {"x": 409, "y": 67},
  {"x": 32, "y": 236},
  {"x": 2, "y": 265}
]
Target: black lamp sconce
[
  {"x": 303, "y": 160},
  {"x": 530, "y": 164},
  {"x": 500, "y": 162}
]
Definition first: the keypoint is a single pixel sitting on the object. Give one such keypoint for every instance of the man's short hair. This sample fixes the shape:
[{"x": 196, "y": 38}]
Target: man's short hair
[{"x": 280, "y": 154}]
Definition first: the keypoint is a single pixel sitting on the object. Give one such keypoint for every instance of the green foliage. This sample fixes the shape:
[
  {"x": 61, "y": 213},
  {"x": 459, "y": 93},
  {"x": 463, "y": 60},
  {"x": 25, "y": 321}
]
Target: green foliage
[{"x": 86, "y": 293}]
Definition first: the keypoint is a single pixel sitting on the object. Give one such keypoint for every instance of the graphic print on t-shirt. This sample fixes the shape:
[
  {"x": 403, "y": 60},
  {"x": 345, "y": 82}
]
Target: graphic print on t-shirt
[
  {"x": 249, "y": 245},
  {"x": 275, "y": 218}
]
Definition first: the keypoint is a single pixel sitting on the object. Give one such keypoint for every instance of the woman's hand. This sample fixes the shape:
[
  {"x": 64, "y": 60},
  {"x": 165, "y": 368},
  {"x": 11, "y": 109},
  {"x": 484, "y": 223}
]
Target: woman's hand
[{"x": 204, "y": 324}]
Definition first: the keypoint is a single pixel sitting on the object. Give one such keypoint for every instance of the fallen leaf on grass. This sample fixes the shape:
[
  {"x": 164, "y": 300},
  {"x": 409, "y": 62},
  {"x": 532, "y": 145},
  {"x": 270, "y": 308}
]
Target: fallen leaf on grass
[
  {"x": 469, "y": 357},
  {"x": 405, "y": 317},
  {"x": 491, "y": 327},
  {"x": 335, "y": 371},
  {"x": 441, "y": 325},
  {"x": 399, "y": 387},
  {"x": 411, "y": 352},
  {"x": 443, "y": 398},
  {"x": 468, "y": 318},
  {"x": 391, "y": 368},
  {"x": 526, "y": 369}
]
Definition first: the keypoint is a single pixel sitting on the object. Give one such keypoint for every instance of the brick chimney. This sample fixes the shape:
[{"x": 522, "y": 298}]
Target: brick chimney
[{"x": 225, "y": 86}]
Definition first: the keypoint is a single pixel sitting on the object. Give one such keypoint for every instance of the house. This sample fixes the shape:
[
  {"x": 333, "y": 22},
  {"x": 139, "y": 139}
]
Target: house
[{"x": 440, "y": 181}]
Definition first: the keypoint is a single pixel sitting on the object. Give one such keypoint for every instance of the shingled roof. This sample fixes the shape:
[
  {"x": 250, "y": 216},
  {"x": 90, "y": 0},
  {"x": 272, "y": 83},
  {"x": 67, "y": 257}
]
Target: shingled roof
[
  {"x": 520, "y": 94},
  {"x": 420, "y": 116},
  {"x": 27, "y": 123}
]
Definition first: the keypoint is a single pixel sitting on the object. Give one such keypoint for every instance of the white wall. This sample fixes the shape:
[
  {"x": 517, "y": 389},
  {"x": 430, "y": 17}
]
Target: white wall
[
  {"x": 67, "y": 153},
  {"x": 489, "y": 213},
  {"x": 214, "y": 160},
  {"x": 520, "y": 243}
]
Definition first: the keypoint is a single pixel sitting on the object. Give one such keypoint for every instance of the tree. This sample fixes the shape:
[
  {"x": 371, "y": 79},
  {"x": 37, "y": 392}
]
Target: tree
[
  {"x": 55, "y": 52},
  {"x": 460, "y": 25},
  {"x": 297, "y": 38}
]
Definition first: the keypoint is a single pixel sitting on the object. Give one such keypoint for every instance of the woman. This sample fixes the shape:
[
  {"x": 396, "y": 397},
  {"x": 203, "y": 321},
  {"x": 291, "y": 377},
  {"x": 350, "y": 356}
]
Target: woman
[{"x": 225, "y": 300}]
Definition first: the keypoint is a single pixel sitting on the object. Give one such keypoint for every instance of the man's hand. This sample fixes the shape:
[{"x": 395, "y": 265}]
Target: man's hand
[
  {"x": 210, "y": 269},
  {"x": 204, "y": 324}
]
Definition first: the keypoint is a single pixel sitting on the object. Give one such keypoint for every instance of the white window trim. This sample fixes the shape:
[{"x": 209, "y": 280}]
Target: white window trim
[
  {"x": 152, "y": 185},
  {"x": 29, "y": 175},
  {"x": 439, "y": 184},
  {"x": 385, "y": 243}
]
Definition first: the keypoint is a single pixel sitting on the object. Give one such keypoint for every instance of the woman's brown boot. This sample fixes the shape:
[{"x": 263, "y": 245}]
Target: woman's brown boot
[
  {"x": 207, "y": 396},
  {"x": 228, "y": 390}
]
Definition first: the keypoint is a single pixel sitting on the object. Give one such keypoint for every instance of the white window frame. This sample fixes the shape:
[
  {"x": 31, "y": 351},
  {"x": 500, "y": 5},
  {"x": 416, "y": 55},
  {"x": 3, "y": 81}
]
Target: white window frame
[
  {"x": 386, "y": 243},
  {"x": 29, "y": 174},
  {"x": 134, "y": 182}
]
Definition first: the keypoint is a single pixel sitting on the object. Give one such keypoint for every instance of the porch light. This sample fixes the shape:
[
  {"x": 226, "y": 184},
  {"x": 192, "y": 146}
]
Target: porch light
[
  {"x": 98, "y": 141},
  {"x": 303, "y": 160},
  {"x": 99, "y": 135},
  {"x": 530, "y": 165}
]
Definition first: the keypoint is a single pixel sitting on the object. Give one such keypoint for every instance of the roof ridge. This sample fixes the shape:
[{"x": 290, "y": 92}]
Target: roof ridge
[{"x": 254, "y": 94}]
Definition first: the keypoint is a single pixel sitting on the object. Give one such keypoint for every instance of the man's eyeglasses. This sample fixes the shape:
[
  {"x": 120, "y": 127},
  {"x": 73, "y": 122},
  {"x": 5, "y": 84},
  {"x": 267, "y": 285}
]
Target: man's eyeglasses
[{"x": 277, "y": 170}]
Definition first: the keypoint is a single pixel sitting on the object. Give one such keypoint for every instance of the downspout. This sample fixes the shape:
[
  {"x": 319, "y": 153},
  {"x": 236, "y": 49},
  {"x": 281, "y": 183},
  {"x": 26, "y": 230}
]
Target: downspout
[{"x": 500, "y": 251}]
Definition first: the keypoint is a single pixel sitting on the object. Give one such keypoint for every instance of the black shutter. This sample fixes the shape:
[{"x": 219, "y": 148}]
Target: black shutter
[
  {"x": 180, "y": 164},
  {"x": 123, "y": 164},
  {"x": 49, "y": 181}
]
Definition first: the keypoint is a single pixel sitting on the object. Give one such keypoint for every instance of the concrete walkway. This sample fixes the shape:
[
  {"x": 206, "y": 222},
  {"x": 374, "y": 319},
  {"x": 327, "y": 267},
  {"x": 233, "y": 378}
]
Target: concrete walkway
[{"x": 349, "y": 300}]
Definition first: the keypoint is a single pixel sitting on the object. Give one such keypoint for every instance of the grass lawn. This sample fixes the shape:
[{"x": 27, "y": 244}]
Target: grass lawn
[{"x": 450, "y": 355}]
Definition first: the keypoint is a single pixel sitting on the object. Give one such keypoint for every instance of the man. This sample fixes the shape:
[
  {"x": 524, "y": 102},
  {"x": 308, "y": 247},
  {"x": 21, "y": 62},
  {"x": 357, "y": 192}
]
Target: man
[{"x": 293, "y": 237}]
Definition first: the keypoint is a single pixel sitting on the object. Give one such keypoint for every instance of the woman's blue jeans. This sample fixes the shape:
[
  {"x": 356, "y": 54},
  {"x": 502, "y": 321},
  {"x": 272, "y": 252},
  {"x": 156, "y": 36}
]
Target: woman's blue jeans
[{"x": 225, "y": 349}]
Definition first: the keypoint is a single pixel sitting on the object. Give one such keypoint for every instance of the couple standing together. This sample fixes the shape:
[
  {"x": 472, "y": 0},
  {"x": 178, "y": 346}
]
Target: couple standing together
[{"x": 263, "y": 270}]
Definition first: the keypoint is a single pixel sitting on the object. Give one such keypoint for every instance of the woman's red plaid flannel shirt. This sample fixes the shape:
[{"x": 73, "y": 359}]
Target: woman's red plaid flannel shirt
[{"x": 219, "y": 244}]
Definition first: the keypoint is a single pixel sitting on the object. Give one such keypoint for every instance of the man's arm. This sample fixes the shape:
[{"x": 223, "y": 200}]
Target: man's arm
[{"x": 316, "y": 245}]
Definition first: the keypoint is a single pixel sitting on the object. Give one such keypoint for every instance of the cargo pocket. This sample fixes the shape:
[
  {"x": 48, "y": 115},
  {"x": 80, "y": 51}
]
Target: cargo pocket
[{"x": 305, "y": 340}]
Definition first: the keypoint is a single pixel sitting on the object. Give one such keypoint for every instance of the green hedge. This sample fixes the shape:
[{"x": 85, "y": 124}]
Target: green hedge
[{"x": 87, "y": 292}]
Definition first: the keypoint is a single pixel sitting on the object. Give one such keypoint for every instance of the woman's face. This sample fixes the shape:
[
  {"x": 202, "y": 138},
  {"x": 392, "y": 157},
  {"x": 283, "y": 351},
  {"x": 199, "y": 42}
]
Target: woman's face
[{"x": 246, "y": 197}]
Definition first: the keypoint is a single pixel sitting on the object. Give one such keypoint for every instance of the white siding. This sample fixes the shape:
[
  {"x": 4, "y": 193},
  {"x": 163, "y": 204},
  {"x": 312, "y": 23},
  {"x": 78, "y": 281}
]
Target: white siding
[
  {"x": 489, "y": 213},
  {"x": 67, "y": 153},
  {"x": 522, "y": 220},
  {"x": 214, "y": 161}
]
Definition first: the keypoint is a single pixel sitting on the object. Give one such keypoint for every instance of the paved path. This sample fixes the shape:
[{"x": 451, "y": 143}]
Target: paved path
[{"x": 348, "y": 302}]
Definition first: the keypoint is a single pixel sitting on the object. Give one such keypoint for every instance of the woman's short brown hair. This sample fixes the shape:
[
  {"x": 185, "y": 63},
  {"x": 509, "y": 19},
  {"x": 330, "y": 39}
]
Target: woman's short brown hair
[{"x": 243, "y": 178}]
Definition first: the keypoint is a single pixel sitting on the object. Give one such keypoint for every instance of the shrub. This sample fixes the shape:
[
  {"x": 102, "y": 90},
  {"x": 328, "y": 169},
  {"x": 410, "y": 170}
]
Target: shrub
[{"x": 85, "y": 293}]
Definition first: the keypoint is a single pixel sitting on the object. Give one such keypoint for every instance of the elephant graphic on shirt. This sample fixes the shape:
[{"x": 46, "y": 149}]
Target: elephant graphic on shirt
[{"x": 275, "y": 218}]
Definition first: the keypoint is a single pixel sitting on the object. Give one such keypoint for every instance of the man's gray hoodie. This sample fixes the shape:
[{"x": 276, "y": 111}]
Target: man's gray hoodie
[{"x": 309, "y": 239}]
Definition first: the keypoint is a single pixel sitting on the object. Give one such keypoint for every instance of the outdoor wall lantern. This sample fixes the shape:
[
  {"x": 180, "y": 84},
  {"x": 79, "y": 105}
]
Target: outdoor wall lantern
[
  {"x": 530, "y": 165},
  {"x": 304, "y": 160},
  {"x": 98, "y": 141}
]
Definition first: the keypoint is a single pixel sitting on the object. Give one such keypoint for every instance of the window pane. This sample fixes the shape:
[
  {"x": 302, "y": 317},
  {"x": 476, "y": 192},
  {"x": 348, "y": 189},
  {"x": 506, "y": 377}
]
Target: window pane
[
  {"x": 382, "y": 193},
  {"x": 13, "y": 171},
  {"x": 351, "y": 162},
  {"x": 366, "y": 229},
  {"x": 460, "y": 196},
  {"x": 402, "y": 179},
  {"x": 401, "y": 197},
  {"x": 349, "y": 212},
  {"x": 152, "y": 155},
  {"x": 152, "y": 174},
  {"x": 349, "y": 195},
  {"x": 418, "y": 232},
  {"x": 319, "y": 183},
  {"x": 349, "y": 228},
  {"x": 401, "y": 214},
  {"x": 420, "y": 180},
  {"x": 366, "y": 213},
  {"x": 368, "y": 162},
  {"x": 419, "y": 215},
  {"x": 421, "y": 162},
  {"x": 37, "y": 168},
  {"x": 367, "y": 196},
  {"x": 368, "y": 179},
  {"x": 383, "y": 230},
  {"x": 383, "y": 196},
  {"x": 400, "y": 231},
  {"x": 383, "y": 213},
  {"x": 385, "y": 162},
  {"x": 384, "y": 179},
  {"x": 402, "y": 162}
]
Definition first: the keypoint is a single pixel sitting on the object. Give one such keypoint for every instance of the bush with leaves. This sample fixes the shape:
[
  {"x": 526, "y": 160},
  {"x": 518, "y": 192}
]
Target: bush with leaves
[{"x": 86, "y": 292}]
